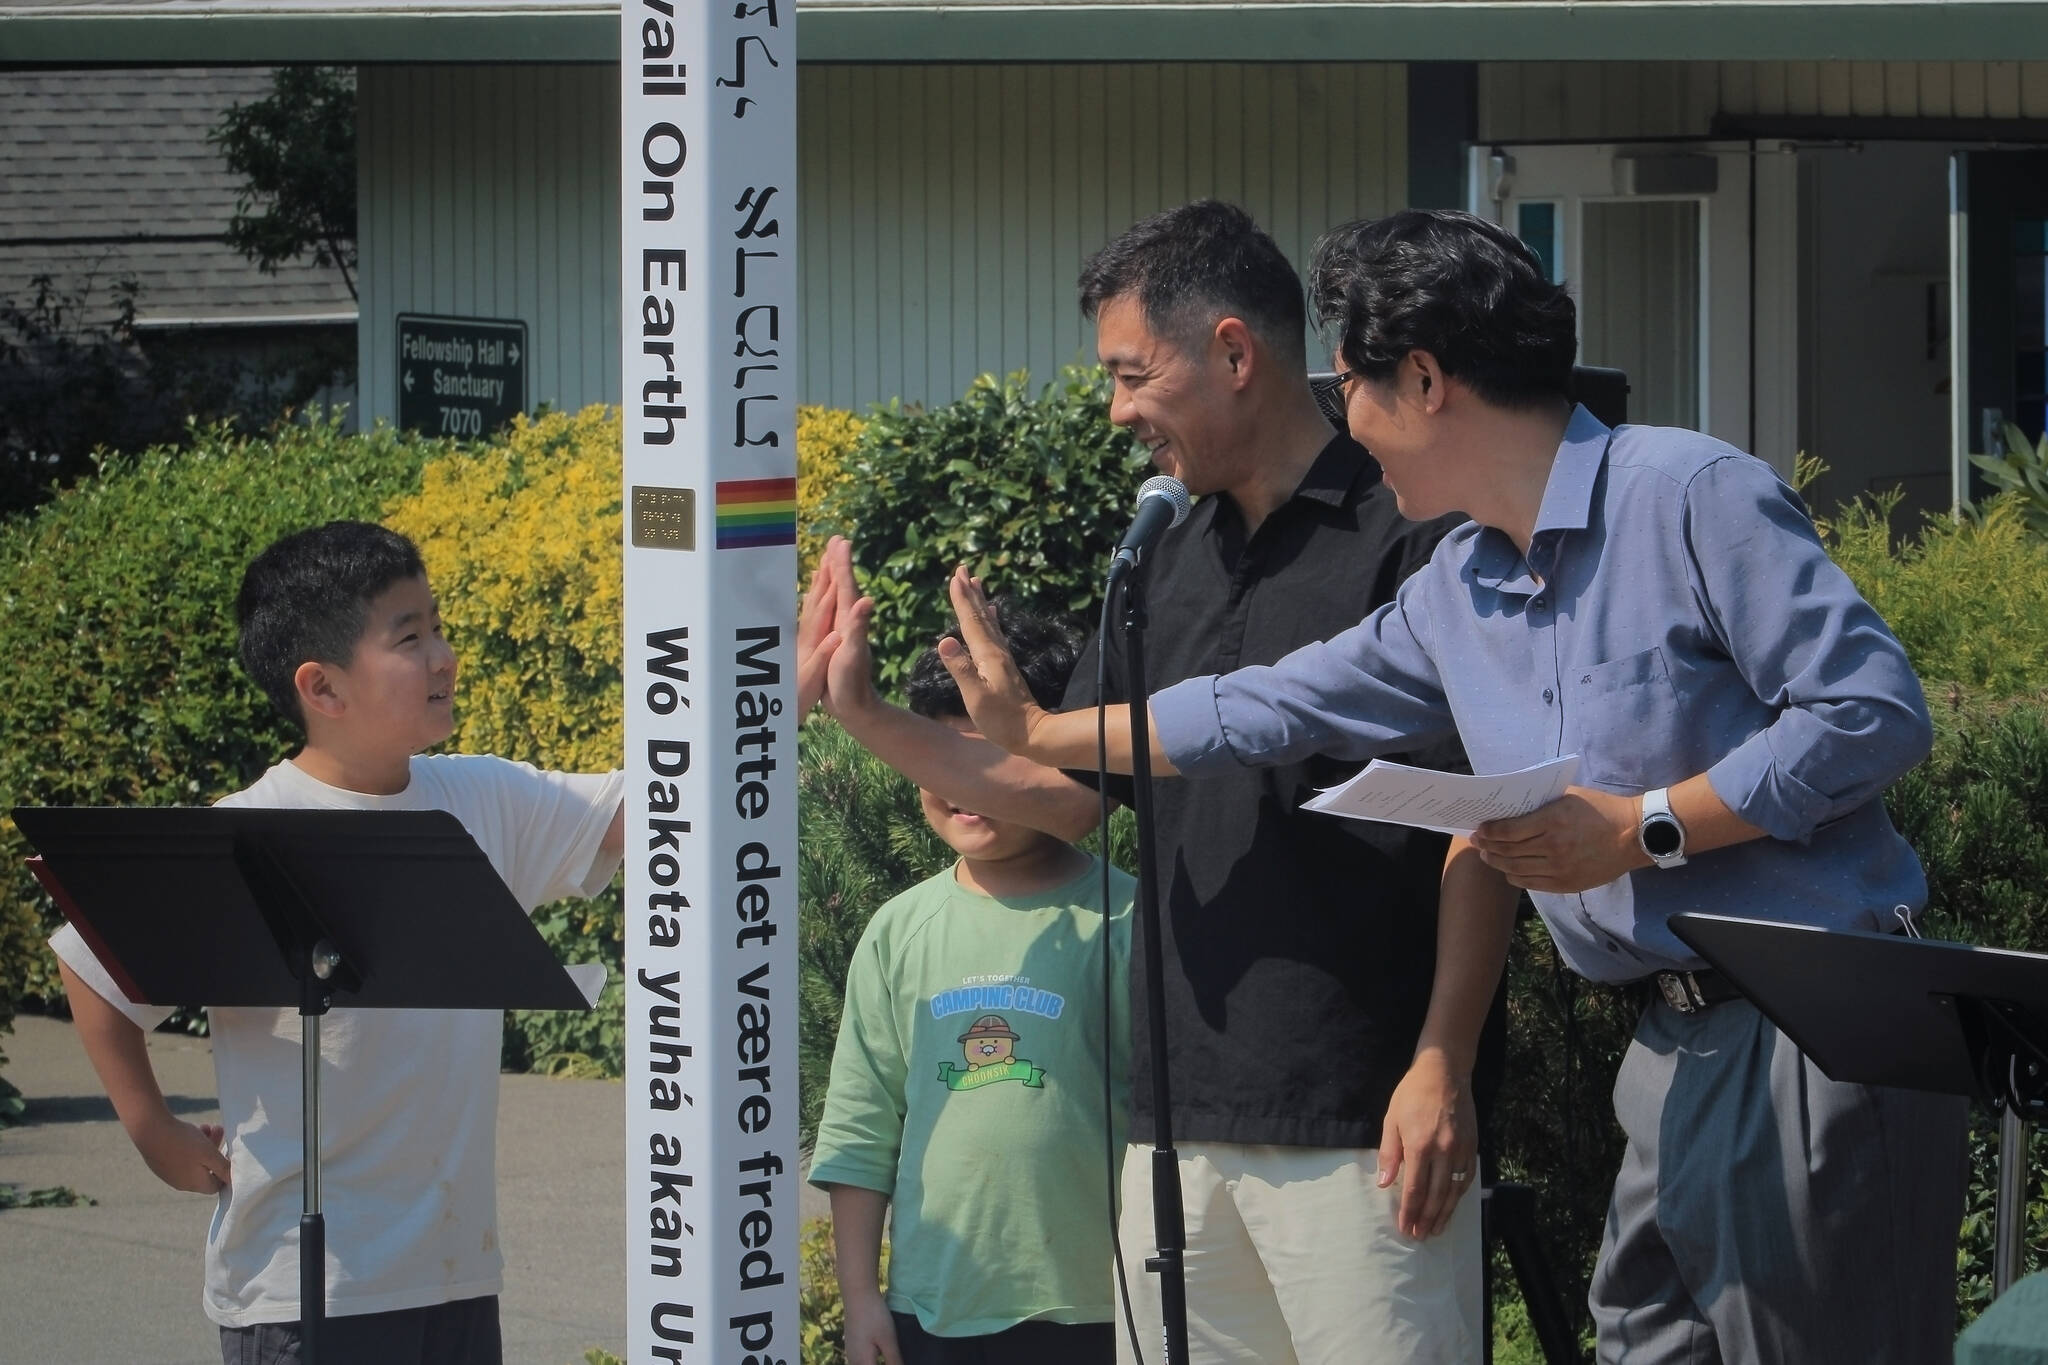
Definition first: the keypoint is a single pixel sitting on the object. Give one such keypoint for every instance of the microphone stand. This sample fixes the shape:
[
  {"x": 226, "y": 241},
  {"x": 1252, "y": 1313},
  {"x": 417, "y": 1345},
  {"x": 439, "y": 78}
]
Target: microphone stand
[{"x": 1168, "y": 1215}]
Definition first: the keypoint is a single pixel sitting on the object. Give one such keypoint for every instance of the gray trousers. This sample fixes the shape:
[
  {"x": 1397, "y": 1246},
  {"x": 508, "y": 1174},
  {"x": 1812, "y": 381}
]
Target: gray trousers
[
  {"x": 464, "y": 1332},
  {"x": 1766, "y": 1215}
]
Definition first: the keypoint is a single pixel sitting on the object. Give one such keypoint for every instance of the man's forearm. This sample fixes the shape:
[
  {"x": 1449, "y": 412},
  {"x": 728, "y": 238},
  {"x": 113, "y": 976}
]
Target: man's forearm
[
  {"x": 1068, "y": 739},
  {"x": 1475, "y": 916},
  {"x": 974, "y": 774}
]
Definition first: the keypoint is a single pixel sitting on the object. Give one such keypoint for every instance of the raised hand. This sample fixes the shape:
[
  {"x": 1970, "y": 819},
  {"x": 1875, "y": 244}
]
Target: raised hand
[
  {"x": 850, "y": 674},
  {"x": 990, "y": 685},
  {"x": 816, "y": 636}
]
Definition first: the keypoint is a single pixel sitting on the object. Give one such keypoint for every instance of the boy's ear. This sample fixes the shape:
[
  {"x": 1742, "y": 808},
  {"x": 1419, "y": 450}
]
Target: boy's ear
[{"x": 318, "y": 694}]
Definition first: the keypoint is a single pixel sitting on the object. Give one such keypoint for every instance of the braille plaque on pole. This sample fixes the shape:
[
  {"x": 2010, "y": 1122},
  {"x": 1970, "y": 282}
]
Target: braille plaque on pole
[{"x": 708, "y": 145}]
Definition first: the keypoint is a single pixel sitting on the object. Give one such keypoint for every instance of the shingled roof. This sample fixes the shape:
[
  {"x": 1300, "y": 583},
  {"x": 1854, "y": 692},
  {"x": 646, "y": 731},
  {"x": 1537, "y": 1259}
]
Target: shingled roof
[{"x": 107, "y": 173}]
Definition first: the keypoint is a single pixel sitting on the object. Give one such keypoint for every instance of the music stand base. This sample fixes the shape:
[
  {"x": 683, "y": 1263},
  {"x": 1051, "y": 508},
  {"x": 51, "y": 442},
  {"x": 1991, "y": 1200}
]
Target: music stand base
[{"x": 2009, "y": 1222}]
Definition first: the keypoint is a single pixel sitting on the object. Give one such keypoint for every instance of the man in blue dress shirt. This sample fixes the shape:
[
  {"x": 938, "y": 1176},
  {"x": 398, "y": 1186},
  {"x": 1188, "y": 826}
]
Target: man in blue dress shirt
[{"x": 1659, "y": 604}]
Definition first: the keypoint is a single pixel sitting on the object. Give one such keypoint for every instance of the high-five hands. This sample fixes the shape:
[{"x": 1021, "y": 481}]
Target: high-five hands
[
  {"x": 995, "y": 693},
  {"x": 833, "y": 664}
]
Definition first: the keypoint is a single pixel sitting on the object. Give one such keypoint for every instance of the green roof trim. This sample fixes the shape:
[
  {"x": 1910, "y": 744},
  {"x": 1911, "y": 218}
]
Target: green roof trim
[{"x": 77, "y": 32}]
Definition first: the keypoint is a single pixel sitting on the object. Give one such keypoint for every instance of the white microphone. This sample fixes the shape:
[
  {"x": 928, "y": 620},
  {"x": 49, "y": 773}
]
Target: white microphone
[{"x": 1162, "y": 505}]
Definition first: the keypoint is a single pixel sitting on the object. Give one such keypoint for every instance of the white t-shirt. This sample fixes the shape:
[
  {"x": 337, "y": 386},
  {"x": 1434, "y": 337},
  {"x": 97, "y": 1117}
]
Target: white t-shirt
[{"x": 408, "y": 1098}]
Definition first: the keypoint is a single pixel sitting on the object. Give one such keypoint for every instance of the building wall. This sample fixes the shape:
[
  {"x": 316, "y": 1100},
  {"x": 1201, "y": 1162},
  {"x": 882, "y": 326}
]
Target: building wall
[
  {"x": 492, "y": 192},
  {"x": 945, "y": 210},
  {"x": 1549, "y": 101}
]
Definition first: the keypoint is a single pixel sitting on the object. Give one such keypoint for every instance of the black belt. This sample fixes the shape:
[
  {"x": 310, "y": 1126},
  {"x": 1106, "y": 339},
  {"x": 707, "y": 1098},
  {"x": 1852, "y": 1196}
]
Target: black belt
[{"x": 1691, "y": 992}]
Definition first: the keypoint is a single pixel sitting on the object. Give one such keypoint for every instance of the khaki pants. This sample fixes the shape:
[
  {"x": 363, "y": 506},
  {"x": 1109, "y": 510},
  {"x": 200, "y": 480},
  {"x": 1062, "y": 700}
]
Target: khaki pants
[{"x": 1293, "y": 1259}]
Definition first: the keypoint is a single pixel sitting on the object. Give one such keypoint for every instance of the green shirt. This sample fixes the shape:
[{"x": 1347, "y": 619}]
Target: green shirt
[{"x": 967, "y": 1085}]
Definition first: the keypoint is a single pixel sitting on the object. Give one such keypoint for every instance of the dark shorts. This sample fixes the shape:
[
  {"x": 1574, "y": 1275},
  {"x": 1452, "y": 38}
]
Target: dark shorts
[
  {"x": 464, "y": 1332},
  {"x": 1028, "y": 1343}
]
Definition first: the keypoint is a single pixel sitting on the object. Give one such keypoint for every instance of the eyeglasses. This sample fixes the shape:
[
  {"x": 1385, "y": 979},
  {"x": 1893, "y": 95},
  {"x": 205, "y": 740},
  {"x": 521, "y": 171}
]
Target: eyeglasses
[{"x": 1329, "y": 393}]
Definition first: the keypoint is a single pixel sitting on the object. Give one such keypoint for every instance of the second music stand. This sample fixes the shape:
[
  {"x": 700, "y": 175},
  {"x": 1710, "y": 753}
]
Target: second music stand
[{"x": 1918, "y": 1014}]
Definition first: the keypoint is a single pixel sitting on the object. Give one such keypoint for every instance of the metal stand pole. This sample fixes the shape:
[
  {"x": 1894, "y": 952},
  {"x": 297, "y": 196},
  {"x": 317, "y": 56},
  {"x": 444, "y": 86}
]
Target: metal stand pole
[
  {"x": 318, "y": 967},
  {"x": 2009, "y": 1225},
  {"x": 1168, "y": 1216}
]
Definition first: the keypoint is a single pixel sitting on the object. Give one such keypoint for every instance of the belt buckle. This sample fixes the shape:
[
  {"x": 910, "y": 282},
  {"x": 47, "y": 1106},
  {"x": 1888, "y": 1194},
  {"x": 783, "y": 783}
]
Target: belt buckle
[{"x": 1680, "y": 992}]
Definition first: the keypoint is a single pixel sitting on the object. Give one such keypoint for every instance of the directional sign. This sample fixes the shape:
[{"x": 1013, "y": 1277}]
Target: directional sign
[{"x": 460, "y": 376}]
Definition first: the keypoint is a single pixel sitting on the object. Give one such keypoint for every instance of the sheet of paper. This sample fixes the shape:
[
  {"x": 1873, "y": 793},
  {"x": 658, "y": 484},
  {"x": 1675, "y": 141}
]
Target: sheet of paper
[{"x": 1450, "y": 803}]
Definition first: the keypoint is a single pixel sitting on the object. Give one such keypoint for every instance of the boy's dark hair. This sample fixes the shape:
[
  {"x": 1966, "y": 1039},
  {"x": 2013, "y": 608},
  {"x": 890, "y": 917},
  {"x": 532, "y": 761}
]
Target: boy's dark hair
[
  {"x": 1467, "y": 291},
  {"x": 1044, "y": 649},
  {"x": 307, "y": 599},
  {"x": 1192, "y": 265}
]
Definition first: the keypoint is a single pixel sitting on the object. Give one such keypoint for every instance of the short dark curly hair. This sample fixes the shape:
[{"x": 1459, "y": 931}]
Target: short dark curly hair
[
  {"x": 1457, "y": 286},
  {"x": 1191, "y": 266},
  {"x": 1044, "y": 649},
  {"x": 307, "y": 599}
]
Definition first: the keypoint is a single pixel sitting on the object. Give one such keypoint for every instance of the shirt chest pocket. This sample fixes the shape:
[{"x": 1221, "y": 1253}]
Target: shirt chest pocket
[{"x": 1627, "y": 711}]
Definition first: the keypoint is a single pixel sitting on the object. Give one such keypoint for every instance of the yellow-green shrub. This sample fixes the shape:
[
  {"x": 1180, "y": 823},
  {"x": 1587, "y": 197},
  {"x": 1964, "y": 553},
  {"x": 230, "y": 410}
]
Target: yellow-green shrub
[
  {"x": 521, "y": 541},
  {"x": 823, "y": 436},
  {"x": 1967, "y": 597}
]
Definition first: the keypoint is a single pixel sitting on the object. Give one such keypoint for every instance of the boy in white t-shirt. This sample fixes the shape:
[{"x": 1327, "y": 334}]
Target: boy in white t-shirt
[{"x": 339, "y": 627}]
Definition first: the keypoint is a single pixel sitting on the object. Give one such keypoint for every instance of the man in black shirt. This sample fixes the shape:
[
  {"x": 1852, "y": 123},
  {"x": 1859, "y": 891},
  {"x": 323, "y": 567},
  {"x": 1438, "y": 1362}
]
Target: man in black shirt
[{"x": 1325, "y": 1020}]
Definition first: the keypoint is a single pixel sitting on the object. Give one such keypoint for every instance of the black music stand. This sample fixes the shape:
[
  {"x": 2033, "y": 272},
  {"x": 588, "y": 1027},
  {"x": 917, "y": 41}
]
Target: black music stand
[
  {"x": 1918, "y": 1014},
  {"x": 297, "y": 908}
]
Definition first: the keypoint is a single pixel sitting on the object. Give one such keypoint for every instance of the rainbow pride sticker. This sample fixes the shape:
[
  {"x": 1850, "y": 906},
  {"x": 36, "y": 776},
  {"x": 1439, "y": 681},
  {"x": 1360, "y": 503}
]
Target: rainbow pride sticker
[{"x": 755, "y": 512}]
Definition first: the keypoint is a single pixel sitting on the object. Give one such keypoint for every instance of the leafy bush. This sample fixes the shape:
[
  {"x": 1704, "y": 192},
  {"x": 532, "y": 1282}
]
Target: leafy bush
[
  {"x": 118, "y": 639},
  {"x": 1977, "y": 813},
  {"x": 521, "y": 541},
  {"x": 823, "y": 437},
  {"x": 1968, "y": 598},
  {"x": 2021, "y": 469},
  {"x": 1030, "y": 493}
]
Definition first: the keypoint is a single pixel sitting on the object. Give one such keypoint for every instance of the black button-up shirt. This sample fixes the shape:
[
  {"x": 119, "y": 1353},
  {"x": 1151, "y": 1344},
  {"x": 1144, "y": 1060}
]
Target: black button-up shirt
[{"x": 1300, "y": 948}]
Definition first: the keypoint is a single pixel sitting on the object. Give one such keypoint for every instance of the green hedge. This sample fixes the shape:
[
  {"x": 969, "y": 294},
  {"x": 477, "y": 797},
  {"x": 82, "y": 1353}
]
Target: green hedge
[
  {"x": 117, "y": 637},
  {"x": 1029, "y": 491}
]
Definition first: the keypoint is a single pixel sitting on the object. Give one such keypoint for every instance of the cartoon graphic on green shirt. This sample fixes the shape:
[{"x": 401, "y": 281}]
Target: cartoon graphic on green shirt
[{"x": 990, "y": 1045}]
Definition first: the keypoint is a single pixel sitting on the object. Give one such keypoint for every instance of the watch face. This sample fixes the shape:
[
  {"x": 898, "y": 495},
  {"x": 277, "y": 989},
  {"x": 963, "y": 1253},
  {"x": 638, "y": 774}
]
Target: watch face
[{"x": 1661, "y": 838}]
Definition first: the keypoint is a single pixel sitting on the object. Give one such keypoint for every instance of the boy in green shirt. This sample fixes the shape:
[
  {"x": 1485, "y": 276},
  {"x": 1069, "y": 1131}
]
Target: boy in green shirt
[{"x": 968, "y": 1085}]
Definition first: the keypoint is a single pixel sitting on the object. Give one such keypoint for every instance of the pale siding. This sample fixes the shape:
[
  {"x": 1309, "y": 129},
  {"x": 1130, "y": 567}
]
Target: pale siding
[
  {"x": 1593, "y": 101},
  {"x": 945, "y": 210},
  {"x": 492, "y": 192},
  {"x": 948, "y": 209}
]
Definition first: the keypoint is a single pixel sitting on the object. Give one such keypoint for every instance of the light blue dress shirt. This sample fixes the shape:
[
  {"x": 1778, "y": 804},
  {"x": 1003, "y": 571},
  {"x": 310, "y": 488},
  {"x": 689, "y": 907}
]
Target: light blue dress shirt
[{"x": 1676, "y": 614}]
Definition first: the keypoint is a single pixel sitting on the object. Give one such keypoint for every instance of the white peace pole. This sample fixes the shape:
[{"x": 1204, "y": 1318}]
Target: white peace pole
[{"x": 708, "y": 279}]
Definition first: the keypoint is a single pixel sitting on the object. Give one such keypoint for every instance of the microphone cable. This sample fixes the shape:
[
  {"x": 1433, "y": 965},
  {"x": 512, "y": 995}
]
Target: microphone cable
[{"x": 1112, "y": 1159}]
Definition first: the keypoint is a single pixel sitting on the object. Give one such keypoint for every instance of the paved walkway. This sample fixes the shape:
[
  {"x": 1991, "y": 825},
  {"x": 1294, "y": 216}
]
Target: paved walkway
[{"x": 119, "y": 1282}]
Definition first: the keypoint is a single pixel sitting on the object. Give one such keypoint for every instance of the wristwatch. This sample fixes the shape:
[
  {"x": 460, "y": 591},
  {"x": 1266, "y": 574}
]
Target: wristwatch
[{"x": 1658, "y": 833}]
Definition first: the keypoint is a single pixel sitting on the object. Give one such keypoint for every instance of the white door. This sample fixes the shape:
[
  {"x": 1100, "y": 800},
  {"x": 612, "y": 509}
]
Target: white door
[{"x": 1677, "y": 282}]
